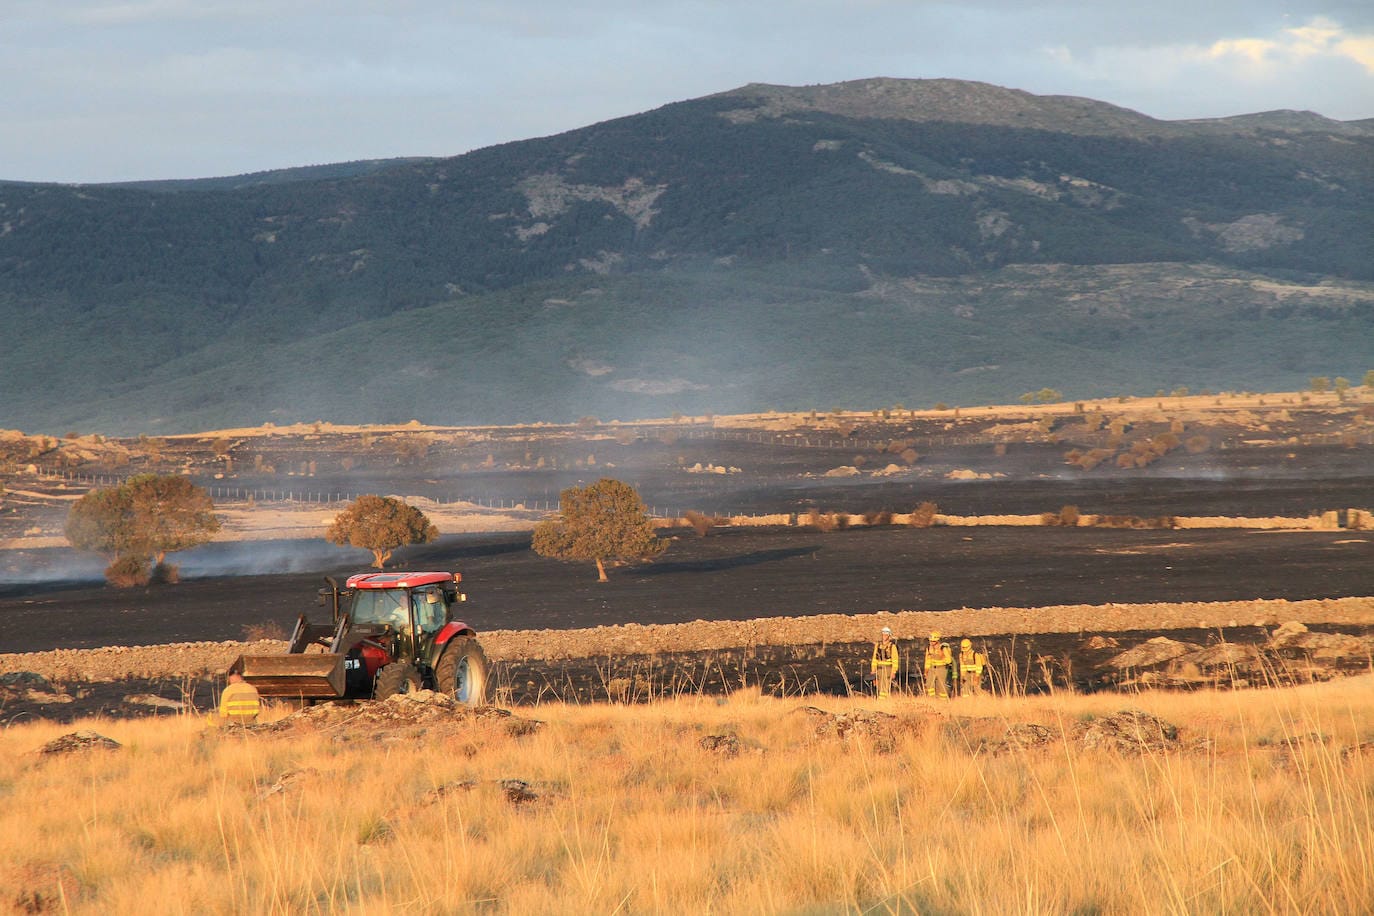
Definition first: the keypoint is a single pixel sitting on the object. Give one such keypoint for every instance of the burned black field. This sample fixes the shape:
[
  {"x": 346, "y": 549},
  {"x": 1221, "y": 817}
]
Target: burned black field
[
  {"x": 742, "y": 574},
  {"x": 1313, "y": 464}
]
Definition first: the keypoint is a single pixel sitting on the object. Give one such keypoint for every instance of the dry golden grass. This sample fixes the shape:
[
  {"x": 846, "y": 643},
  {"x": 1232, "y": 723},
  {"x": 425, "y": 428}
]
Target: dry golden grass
[{"x": 633, "y": 815}]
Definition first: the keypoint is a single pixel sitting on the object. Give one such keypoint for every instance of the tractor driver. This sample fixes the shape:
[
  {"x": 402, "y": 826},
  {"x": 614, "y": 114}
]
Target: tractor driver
[{"x": 398, "y": 615}]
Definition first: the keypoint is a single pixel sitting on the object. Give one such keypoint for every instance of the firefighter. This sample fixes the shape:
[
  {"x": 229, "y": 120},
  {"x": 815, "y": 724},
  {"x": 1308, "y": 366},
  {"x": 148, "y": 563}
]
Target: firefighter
[
  {"x": 239, "y": 704},
  {"x": 938, "y": 662},
  {"x": 971, "y": 665},
  {"x": 884, "y": 665}
]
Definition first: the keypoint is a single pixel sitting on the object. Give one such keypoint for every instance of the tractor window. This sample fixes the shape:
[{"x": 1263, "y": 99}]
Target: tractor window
[
  {"x": 377, "y": 605},
  {"x": 429, "y": 608}
]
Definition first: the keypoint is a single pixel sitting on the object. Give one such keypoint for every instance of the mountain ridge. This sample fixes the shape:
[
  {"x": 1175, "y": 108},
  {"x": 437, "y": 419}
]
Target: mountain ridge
[{"x": 720, "y": 227}]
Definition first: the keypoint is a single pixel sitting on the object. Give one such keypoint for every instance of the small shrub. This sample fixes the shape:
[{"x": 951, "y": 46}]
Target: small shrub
[
  {"x": 127, "y": 572},
  {"x": 1066, "y": 517},
  {"x": 1165, "y": 443},
  {"x": 700, "y": 522},
  {"x": 880, "y": 517},
  {"x": 268, "y": 629},
  {"x": 165, "y": 574},
  {"x": 1196, "y": 445},
  {"x": 924, "y": 515},
  {"x": 827, "y": 521}
]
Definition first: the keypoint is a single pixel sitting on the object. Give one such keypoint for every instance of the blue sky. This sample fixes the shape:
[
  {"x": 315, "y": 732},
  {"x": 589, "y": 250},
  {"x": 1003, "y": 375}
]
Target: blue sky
[{"x": 107, "y": 90}]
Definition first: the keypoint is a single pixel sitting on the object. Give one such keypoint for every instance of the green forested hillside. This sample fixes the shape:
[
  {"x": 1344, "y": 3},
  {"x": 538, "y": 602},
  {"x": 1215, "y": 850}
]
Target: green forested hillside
[{"x": 746, "y": 250}]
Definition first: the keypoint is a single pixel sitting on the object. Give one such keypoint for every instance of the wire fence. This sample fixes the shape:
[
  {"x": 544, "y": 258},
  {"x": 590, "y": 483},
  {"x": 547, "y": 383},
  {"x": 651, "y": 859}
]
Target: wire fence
[{"x": 223, "y": 493}]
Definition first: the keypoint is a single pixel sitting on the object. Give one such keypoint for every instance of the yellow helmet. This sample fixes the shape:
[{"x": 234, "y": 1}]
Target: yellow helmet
[
  {"x": 934, "y": 635},
  {"x": 965, "y": 644}
]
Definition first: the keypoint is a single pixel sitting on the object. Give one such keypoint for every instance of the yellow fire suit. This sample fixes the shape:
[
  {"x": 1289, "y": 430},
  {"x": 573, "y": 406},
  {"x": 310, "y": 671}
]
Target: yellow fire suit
[
  {"x": 971, "y": 665},
  {"x": 938, "y": 661},
  {"x": 239, "y": 704},
  {"x": 884, "y": 665}
]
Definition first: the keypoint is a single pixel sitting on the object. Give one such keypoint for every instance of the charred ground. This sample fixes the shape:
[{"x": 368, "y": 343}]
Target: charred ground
[{"x": 1291, "y": 456}]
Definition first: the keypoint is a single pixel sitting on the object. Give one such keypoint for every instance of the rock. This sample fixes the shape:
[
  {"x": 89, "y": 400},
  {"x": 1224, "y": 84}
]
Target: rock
[
  {"x": 1326, "y": 646},
  {"x": 44, "y": 698},
  {"x": 25, "y": 680},
  {"x": 156, "y": 702},
  {"x": 518, "y": 791},
  {"x": 287, "y": 780},
  {"x": 1365, "y": 749},
  {"x": 1286, "y": 634},
  {"x": 1152, "y": 652},
  {"x": 878, "y": 728},
  {"x": 1101, "y": 642},
  {"x": 1027, "y": 735},
  {"x": 1222, "y": 655},
  {"x": 724, "y": 745},
  {"x": 446, "y": 789},
  {"x": 1130, "y": 731},
  {"x": 423, "y": 698},
  {"x": 80, "y": 741}
]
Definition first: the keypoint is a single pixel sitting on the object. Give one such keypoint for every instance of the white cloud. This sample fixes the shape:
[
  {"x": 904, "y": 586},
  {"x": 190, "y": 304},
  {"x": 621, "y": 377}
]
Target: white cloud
[
  {"x": 1319, "y": 65},
  {"x": 1320, "y": 38}
]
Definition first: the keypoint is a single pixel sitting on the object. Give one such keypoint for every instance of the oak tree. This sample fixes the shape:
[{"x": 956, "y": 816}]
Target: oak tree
[
  {"x": 603, "y": 521},
  {"x": 380, "y": 524},
  {"x": 139, "y": 522}
]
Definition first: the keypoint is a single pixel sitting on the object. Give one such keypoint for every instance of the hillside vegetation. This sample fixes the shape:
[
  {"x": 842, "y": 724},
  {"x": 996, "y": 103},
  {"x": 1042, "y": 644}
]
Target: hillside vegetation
[{"x": 874, "y": 241}]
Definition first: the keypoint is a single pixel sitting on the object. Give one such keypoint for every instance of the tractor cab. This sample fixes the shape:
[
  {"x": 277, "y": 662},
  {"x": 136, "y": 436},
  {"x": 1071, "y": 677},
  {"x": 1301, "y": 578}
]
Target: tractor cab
[{"x": 404, "y": 612}]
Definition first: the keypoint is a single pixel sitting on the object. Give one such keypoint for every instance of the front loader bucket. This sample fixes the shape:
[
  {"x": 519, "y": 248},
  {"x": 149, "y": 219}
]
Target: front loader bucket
[{"x": 313, "y": 676}]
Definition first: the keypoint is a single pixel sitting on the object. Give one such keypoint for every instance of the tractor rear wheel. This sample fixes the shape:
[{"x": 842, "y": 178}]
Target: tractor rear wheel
[
  {"x": 397, "y": 677},
  {"x": 463, "y": 673}
]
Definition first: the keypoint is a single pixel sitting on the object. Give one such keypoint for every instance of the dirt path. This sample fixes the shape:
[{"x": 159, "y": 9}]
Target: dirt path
[{"x": 195, "y": 659}]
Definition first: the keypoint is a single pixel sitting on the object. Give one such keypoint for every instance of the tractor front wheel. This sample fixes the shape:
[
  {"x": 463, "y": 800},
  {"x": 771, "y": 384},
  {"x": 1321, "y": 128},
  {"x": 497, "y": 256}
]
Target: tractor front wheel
[
  {"x": 463, "y": 673},
  {"x": 397, "y": 677}
]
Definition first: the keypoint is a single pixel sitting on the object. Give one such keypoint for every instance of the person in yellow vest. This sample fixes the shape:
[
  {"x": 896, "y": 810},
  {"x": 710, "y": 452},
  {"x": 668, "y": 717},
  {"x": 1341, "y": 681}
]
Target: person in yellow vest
[
  {"x": 971, "y": 665},
  {"x": 939, "y": 658},
  {"x": 884, "y": 663},
  {"x": 239, "y": 704}
]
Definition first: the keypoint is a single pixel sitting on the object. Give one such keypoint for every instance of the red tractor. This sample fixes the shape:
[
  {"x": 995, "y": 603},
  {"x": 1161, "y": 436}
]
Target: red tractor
[{"x": 391, "y": 633}]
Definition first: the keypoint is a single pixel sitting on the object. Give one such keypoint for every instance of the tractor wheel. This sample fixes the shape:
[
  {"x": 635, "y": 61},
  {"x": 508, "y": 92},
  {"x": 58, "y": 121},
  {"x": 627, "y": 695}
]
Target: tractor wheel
[
  {"x": 397, "y": 677},
  {"x": 463, "y": 673}
]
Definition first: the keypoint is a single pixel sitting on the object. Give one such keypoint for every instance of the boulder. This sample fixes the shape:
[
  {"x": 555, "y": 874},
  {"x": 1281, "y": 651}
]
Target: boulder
[
  {"x": 877, "y": 728},
  {"x": 25, "y": 680},
  {"x": 724, "y": 745},
  {"x": 1130, "y": 731},
  {"x": 154, "y": 701},
  {"x": 1155, "y": 651},
  {"x": 79, "y": 741},
  {"x": 1294, "y": 635}
]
